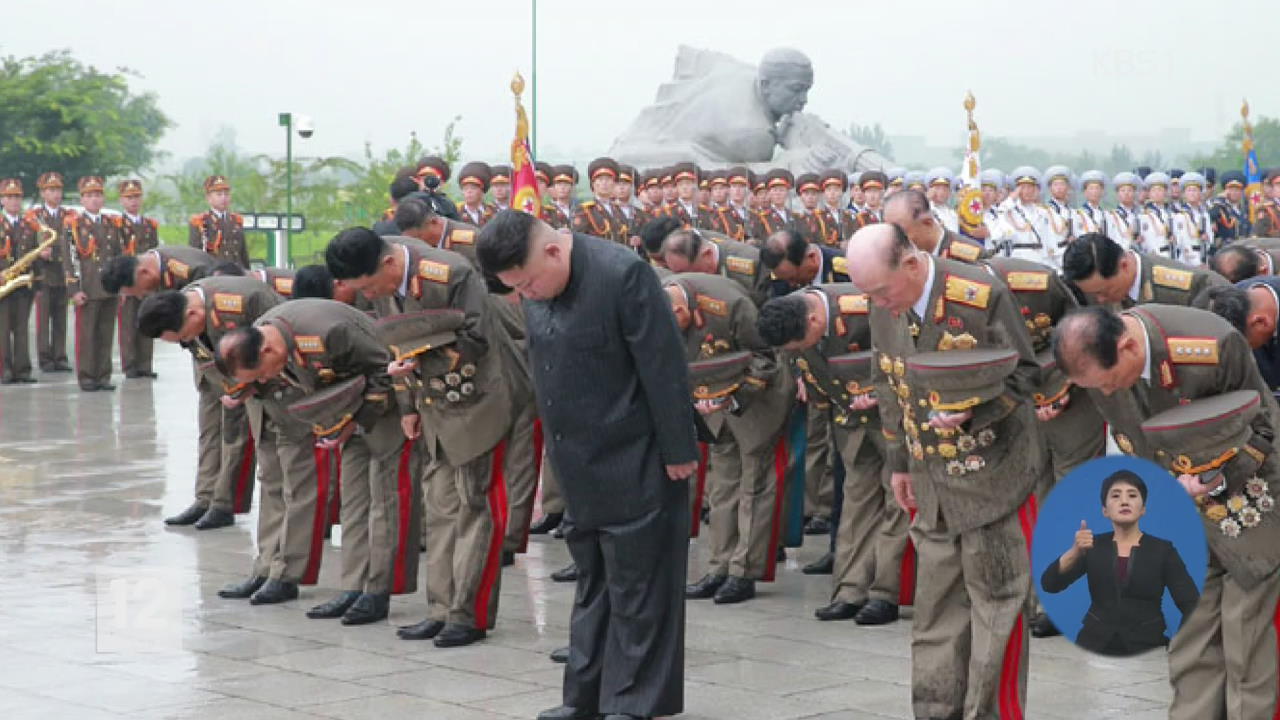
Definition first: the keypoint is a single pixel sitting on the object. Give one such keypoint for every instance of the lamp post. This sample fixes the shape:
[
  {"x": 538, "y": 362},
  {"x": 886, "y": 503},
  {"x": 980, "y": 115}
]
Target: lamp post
[{"x": 305, "y": 130}]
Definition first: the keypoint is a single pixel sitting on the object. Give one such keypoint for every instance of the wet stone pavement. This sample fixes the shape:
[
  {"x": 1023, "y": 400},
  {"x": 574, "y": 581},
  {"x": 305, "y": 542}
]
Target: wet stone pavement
[{"x": 106, "y": 613}]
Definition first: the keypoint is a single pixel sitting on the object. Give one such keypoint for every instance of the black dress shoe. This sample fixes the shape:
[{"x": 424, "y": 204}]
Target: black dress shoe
[
  {"x": 877, "y": 612},
  {"x": 623, "y": 716},
  {"x": 60, "y": 367},
  {"x": 821, "y": 566},
  {"x": 274, "y": 591},
  {"x": 508, "y": 558},
  {"x": 424, "y": 630},
  {"x": 188, "y": 516},
  {"x": 26, "y": 380},
  {"x": 558, "y": 533},
  {"x": 704, "y": 588},
  {"x": 549, "y": 522},
  {"x": 1042, "y": 626},
  {"x": 335, "y": 607},
  {"x": 565, "y": 712},
  {"x": 566, "y": 574},
  {"x": 152, "y": 375},
  {"x": 133, "y": 375},
  {"x": 780, "y": 555},
  {"x": 735, "y": 590},
  {"x": 242, "y": 589},
  {"x": 838, "y": 610},
  {"x": 560, "y": 655},
  {"x": 46, "y": 368},
  {"x": 89, "y": 387},
  {"x": 817, "y": 526},
  {"x": 368, "y": 608},
  {"x": 457, "y": 636},
  {"x": 8, "y": 381},
  {"x": 106, "y": 386},
  {"x": 215, "y": 518}
]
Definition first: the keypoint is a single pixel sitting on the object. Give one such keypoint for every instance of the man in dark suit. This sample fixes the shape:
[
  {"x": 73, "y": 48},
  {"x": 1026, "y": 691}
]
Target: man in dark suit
[{"x": 612, "y": 389}]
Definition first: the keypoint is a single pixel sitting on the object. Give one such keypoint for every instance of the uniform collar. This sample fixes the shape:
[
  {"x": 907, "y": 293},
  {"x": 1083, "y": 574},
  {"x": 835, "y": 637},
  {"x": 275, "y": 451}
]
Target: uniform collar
[
  {"x": 921, "y": 306},
  {"x": 403, "y": 290},
  {"x": 1135, "y": 290}
]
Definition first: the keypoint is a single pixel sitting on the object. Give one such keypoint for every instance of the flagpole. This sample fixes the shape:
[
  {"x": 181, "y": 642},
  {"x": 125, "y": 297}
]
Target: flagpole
[{"x": 533, "y": 125}]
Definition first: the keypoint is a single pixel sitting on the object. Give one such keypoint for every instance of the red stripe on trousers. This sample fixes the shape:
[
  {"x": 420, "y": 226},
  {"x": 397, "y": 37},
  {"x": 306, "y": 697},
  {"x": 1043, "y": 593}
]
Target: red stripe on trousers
[
  {"x": 537, "y": 473},
  {"x": 404, "y": 496},
  {"x": 241, "y": 496},
  {"x": 775, "y": 524},
  {"x": 1010, "y": 700},
  {"x": 907, "y": 576},
  {"x": 335, "y": 498},
  {"x": 312, "y": 571},
  {"x": 493, "y": 560},
  {"x": 124, "y": 357},
  {"x": 699, "y": 492},
  {"x": 77, "y": 348}
]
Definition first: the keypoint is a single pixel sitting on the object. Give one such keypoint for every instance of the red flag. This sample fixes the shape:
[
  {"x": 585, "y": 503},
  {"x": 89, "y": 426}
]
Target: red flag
[{"x": 524, "y": 183}]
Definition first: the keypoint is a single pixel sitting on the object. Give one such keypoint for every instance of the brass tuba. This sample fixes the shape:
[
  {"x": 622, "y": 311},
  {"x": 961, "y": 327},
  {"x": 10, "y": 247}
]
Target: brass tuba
[{"x": 16, "y": 276}]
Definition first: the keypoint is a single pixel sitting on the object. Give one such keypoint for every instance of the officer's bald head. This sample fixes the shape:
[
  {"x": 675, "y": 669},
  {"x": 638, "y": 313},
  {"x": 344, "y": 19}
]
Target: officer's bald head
[{"x": 886, "y": 266}]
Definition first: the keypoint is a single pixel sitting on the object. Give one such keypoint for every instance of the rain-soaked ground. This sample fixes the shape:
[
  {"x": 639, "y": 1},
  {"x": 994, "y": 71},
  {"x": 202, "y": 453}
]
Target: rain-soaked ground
[{"x": 106, "y": 613}]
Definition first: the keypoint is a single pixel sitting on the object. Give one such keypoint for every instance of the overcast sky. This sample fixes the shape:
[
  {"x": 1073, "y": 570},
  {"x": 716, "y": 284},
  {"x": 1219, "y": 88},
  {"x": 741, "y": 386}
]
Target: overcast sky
[{"x": 375, "y": 70}]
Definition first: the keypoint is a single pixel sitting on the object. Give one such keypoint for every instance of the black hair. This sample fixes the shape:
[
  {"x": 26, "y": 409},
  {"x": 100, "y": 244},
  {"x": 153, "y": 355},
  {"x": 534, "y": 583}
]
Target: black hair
[
  {"x": 119, "y": 273},
  {"x": 1245, "y": 265},
  {"x": 1231, "y": 303},
  {"x": 403, "y": 185},
  {"x": 504, "y": 241},
  {"x": 1091, "y": 253},
  {"x": 901, "y": 245},
  {"x": 785, "y": 244},
  {"x": 686, "y": 243},
  {"x": 656, "y": 231},
  {"x": 412, "y": 213},
  {"x": 161, "y": 312},
  {"x": 1128, "y": 477},
  {"x": 783, "y": 319},
  {"x": 354, "y": 252},
  {"x": 244, "y": 350},
  {"x": 313, "y": 281},
  {"x": 916, "y": 201},
  {"x": 228, "y": 268},
  {"x": 1099, "y": 332}
]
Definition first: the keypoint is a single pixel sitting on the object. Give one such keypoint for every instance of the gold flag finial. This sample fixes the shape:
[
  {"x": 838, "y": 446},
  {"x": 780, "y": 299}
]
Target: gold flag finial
[
  {"x": 1244, "y": 109},
  {"x": 517, "y": 84},
  {"x": 969, "y": 102}
]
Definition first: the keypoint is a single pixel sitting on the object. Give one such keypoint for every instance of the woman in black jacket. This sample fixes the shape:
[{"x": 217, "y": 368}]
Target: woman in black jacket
[{"x": 1128, "y": 574}]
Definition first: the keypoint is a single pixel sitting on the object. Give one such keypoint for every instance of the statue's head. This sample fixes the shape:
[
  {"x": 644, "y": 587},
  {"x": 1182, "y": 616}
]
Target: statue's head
[{"x": 784, "y": 80}]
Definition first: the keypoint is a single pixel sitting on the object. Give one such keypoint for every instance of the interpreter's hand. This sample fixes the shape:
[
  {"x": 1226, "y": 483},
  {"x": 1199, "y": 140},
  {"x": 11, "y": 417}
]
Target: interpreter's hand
[
  {"x": 1197, "y": 487},
  {"x": 683, "y": 471},
  {"x": 949, "y": 420},
  {"x": 706, "y": 407},
  {"x": 904, "y": 491},
  {"x": 79, "y": 299},
  {"x": 802, "y": 394},
  {"x": 1084, "y": 538},
  {"x": 865, "y": 402},
  {"x": 411, "y": 426},
  {"x": 341, "y": 439},
  {"x": 401, "y": 368}
]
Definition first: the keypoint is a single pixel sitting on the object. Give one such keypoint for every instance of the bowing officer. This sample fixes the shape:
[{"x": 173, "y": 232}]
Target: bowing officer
[{"x": 1108, "y": 274}]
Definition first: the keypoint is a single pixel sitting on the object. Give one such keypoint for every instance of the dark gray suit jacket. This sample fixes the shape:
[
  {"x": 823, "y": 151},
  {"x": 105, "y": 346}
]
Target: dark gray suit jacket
[{"x": 609, "y": 372}]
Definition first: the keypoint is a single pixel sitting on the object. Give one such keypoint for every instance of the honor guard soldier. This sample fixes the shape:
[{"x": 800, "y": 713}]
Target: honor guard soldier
[
  {"x": 1175, "y": 185},
  {"x": 1090, "y": 217},
  {"x": 1156, "y": 220},
  {"x": 744, "y": 397},
  {"x": 809, "y": 223},
  {"x": 735, "y": 216},
  {"x": 1192, "y": 225},
  {"x": 686, "y": 207},
  {"x": 461, "y": 407},
  {"x": 759, "y": 192},
  {"x": 1229, "y": 213},
  {"x": 1032, "y": 232},
  {"x": 1108, "y": 274},
  {"x": 718, "y": 186},
  {"x": 914, "y": 180},
  {"x": 1125, "y": 222},
  {"x": 990, "y": 181},
  {"x": 15, "y": 308},
  {"x": 826, "y": 328},
  {"x": 896, "y": 178},
  {"x": 95, "y": 240},
  {"x": 218, "y": 231},
  {"x": 667, "y": 181},
  {"x": 51, "y": 288},
  {"x": 651, "y": 195},
  {"x": 1057, "y": 180},
  {"x": 1142, "y": 171},
  {"x": 500, "y": 186},
  {"x": 938, "y": 182},
  {"x": 909, "y": 210},
  {"x": 873, "y": 184},
  {"x": 138, "y": 234},
  {"x": 954, "y": 362},
  {"x": 776, "y": 215},
  {"x": 624, "y": 201},
  {"x": 689, "y": 251},
  {"x": 542, "y": 174},
  {"x": 1267, "y": 222},
  {"x": 434, "y": 166},
  {"x": 1179, "y": 386},
  {"x": 473, "y": 179},
  {"x": 596, "y": 216},
  {"x": 564, "y": 178},
  {"x": 856, "y": 200},
  {"x": 837, "y": 217}
]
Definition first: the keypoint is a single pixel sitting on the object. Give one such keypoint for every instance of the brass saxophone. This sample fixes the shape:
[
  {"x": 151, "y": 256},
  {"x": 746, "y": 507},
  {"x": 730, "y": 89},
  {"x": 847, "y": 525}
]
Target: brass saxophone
[{"x": 16, "y": 276}]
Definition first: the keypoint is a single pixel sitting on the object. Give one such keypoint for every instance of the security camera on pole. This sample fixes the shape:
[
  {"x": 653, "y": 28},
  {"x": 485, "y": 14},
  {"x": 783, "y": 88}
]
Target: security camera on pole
[{"x": 306, "y": 128}]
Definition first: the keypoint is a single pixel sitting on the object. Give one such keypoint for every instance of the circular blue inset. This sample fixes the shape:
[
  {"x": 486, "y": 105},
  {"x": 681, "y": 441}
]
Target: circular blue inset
[{"x": 1170, "y": 515}]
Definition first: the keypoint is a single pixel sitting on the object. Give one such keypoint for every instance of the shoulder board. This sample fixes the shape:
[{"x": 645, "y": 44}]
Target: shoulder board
[
  {"x": 197, "y": 219},
  {"x": 964, "y": 251},
  {"x": 967, "y": 292},
  {"x": 741, "y": 266},
  {"x": 586, "y": 204},
  {"x": 460, "y": 205},
  {"x": 283, "y": 286},
  {"x": 31, "y": 212},
  {"x": 1193, "y": 350},
  {"x": 1171, "y": 277},
  {"x": 237, "y": 219},
  {"x": 840, "y": 264},
  {"x": 704, "y": 208},
  {"x": 228, "y": 303},
  {"x": 433, "y": 271},
  {"x": 706, "y": 303},
  {"x": 310, "y": 343},
  {"x": 1027, "y": 281},
  {"x": 177, "y": 267},
  {"x": 853, "y": 304},
  {"x": 155, "y": 224},
  {"x": 462, "y": 237}
]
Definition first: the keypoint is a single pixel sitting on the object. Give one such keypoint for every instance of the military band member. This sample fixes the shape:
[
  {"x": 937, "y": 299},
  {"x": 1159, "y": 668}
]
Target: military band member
[
  {"x": 1267, "y": 221},
  {"x": 1108, "y": 274},
  {"x": 473, "y": 179},
  {"x": 909, "y": 210},
  {"x": 746, "y": 411},
  {"x": 95, "y": 240},
  {"x": 1229, "y": 213},
  {"x": 689, "y": 251},
  {"x": 500, "y": 186},
  {"x": 1033, "y": 234},
  {"x": 15, "y": 310},
  {"x": 1156, "y": 220},
  {"x": 596, "y": 216},
  {"x": 734, "y": 217},
  {"x": 967, "y": 469},
  {"x": 138, "y": 234},
  {"x": 462, "y": 411},
  {"x": 1090, "y": 217},
  {"x": 873, "y": 184},
  {"x": 938, "y": 183},
  {"x": 827, "y": 328},
  {"x": 51, "y": 289},
  {"x": 218, "y": 231},
  {"x": 1124, "y": 223},
  {"x": 1156, "y": 370},
  {"x": 1192, "y": 225}
]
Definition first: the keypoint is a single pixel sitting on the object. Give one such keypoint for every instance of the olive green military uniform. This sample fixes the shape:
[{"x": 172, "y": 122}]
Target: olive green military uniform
[
  {"x": 95, "y": 241},
  {"x": 466, "y": 414},
  {"x": 221, "y": 235},
  {"x": 732, "y": 221},
  {"x": 956, "y": 247},
  {"x": 380, "y": 512},
  {"x": 15, "y": 309},
  {"x": 1222, "y": 661},
  {"x": 974, "y": 487},
  {"x": 743, "y": 485},
  {"x": 278, "y": 279},
  {"x": 1267, "y": 221},
  {"x": 1169, "y": 282},
  {"x": 740, "y": 262},
  {"x": 51, "y": 291},
  {"x": 872, "y": 536},
  {"x": 1268, "y": 250},
  {"x": 137, "y": 236}
]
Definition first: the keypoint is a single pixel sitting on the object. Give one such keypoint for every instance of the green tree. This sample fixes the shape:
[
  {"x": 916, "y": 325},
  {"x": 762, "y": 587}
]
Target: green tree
[
  {"x": 1230, "y": 153},
  {"x": 59, "y": 114},
  {"x": 873, "y": 137}
]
